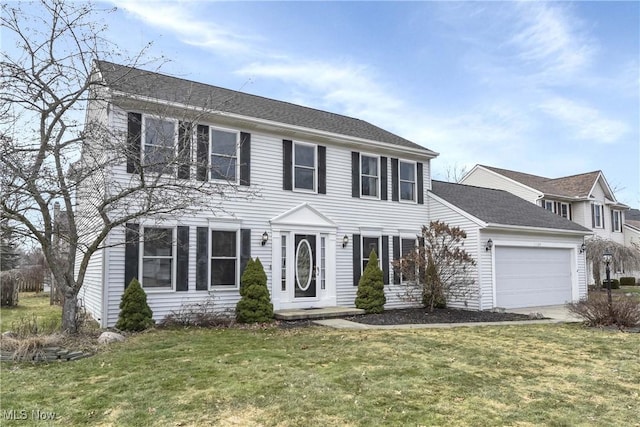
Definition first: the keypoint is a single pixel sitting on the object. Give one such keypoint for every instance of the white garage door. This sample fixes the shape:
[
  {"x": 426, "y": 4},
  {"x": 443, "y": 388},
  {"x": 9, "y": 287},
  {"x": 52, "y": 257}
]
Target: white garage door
[{"x": 529, "y": 277}]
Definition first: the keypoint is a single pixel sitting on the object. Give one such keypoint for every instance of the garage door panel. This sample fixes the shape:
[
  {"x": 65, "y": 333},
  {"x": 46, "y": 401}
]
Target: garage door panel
[{"x": 527, "y": 277}]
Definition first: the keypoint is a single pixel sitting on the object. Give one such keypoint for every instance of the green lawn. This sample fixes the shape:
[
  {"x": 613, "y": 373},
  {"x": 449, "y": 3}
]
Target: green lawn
[
  {"x": 29, "y": 305},
  {"x": 517, "y": 375}
]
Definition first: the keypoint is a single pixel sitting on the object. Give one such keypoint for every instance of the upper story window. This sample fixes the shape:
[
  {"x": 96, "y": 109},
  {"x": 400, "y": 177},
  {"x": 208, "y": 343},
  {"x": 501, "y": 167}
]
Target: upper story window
[
  {"x": 597, "y": 212},
  {"x": 616, "y": 219},
  {"x": 304, "y": 166},
  {"x": 158, "y": 257},
  {"x": 224, "y": 155},
  {"x": 369, "y": 172},
  {"x": 558, "y": 208},
  {"x": 159, "y": 143},
  {"x": 407, "y": 180}
]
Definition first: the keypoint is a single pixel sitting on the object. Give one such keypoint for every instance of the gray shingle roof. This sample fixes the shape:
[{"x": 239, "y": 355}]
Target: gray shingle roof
[
  {"x": 163, "y": 87},
  {"x": 569, "y": 186},
  {"x": 500, "y": 207}
]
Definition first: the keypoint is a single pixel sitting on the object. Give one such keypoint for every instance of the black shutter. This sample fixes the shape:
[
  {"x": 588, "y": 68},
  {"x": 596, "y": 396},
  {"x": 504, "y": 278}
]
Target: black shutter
[
  {"x": 385, "y": 259},
  {"x": 593, "y": 216},
  {"x": 202, "y": 141},
  {"x": 355, "y": 174},
  {"x": 420, "y": 178},
  {"x": 396, "y": 257},
  {"x": 202, "y": 263},
  {"x": 394, "y": 179},
  {"x": 383, "y": 178},
  {"x": 322, "y": 169},
  {"x": 134, "y": 142},
  {"x": 245, "y": 248},
  {"x": 570, "y": 214},
  {"x": 182, "y": 270},
  {"x": 245, "y": 158},
  {"x": 131, "y": 252},
  {"x": 357, "y": 262},
  {"x": 287, "y": 163},
  {"x": 184, "y": 150}
]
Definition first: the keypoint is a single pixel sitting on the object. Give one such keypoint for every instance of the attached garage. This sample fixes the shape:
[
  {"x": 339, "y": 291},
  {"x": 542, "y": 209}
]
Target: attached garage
[{"x": 529, "y": 277}]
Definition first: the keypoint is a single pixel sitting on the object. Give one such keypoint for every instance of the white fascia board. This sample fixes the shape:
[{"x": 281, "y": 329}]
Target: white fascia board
[
  {"x": 632, "y": 227},
  {"x": 461, "y": 180},
  {"x": 540, "y": 193},
  {"x": 337, "y": 137},
  {"x": 480, "y": 223},
  {"x": 606, "y": 186},
  {"x": 529, "y": 229}
]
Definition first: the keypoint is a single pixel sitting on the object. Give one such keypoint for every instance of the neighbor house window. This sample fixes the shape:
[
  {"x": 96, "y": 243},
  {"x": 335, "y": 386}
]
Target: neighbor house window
[
  {"x": 369, "y": 175},
  {"x": 224, "y": 258},
  {"x": 159, "y": 144},
  {"x": 597, "y": 212},
  {"x": 617, "y": 220},
  {"x": 407, "y": 180},
  {"x": 370, "y": 244},
  {"x": 224, "y": 155},
  {"x": 157, "y": 257},
  {"x": 304, "y": 166}
]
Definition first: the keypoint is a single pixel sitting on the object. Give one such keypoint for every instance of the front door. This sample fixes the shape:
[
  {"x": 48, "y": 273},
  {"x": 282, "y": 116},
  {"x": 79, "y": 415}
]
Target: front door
[{"x": 305, "y": 266}]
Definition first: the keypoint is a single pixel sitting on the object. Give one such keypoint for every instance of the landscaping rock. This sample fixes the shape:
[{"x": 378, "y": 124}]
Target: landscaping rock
[{"x": 110, "y": 337}]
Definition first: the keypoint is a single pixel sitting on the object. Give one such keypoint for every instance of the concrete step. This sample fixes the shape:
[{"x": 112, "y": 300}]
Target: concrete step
[{"x": 316, "y": 313}]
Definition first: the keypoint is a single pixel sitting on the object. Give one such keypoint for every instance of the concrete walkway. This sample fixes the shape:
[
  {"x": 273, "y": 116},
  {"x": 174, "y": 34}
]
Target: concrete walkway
[{"x": 554, "y": 314}]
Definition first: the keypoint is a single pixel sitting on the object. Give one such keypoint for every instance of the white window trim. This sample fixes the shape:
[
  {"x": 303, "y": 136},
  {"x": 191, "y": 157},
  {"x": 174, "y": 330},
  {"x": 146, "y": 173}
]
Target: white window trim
[
  {"x": 415, "y": 182},
  {"x": 224, "y": 226},
  {"x": 601, "y": 210},
  {"x": 174, "y": 261},
  {"x": 378, "y": 177},
  {"x": 613, "y": 226},
  {"x": 315, "y": 168},
  {"x": 143, "y": 138},
  {"x": 370, "y": 236},
  {"x": 222, "y": 129},
  {"x": 560, "y": 206}
]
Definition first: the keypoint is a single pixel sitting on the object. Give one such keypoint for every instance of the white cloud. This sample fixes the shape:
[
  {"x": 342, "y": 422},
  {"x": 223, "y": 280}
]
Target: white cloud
[{"x": 586, "y": 123}]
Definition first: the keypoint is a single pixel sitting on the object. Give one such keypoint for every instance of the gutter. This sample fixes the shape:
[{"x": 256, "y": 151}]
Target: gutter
[{"x": 505, "y": 227}]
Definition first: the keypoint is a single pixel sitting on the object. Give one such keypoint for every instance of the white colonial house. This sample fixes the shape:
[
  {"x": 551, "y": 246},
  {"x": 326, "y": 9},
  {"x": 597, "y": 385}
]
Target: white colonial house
[{"x": 324, "y": 191}]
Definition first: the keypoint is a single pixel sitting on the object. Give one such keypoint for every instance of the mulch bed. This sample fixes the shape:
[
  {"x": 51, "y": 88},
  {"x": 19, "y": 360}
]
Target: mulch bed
[{"x": 414, "y": 316}]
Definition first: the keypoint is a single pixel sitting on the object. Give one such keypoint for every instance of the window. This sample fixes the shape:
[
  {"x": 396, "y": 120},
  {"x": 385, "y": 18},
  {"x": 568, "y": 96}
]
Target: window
[
  {"x": 304, "y": 167},
  {"x": 369, "y": 244},
  {"x": 616, "y": 217},
  {"x": 369, "y": 176},
  {"x": 159, "y": 143},
  {"x": 224, "y": 155},
  {"x": 407, "y": 181},
  {"x": 224, "y": 258},
  {"x": 548, "y": 205},
  {"x": 283, "y": 271},
  {"x": 323, "y": 262},
  {"x": 597, "y": 212},
  {"x": 563, "y": 210},
  {"x": 157, "y": 258}
]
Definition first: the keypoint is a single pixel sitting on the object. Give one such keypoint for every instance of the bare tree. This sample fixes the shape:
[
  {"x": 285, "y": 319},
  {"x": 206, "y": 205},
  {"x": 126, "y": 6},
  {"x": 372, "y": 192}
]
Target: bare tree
[
  {"x": 623, "y": 256},
  {"x": 439, "y": 269},
  {"x": 455, "y": 172},
  {"x": 50, "y": 154}
]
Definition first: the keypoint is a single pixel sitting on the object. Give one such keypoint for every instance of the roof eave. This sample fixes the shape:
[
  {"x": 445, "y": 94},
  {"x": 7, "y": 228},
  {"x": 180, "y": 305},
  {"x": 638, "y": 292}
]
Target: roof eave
[{"x": 541, "y": 230}]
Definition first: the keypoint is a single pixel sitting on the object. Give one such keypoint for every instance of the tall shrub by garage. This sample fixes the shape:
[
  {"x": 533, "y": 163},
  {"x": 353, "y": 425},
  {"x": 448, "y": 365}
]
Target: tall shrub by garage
[
  {"x": 135, "y": 313},
  {"x": 255, "y": 302},
  {"x": 370, "y": 296}
]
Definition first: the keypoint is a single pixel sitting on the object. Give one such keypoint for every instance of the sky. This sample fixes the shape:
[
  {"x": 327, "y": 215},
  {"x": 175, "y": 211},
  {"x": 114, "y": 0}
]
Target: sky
[{"x": 551, "y": 89}]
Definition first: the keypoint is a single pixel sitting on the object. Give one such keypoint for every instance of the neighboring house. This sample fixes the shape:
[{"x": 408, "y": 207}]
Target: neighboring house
[
  {"x": 525, "y": 255},
  {"x": 331, "y": 189},
  {"x": 585, "y": 199},
  {"x": 632, "y": 236}
]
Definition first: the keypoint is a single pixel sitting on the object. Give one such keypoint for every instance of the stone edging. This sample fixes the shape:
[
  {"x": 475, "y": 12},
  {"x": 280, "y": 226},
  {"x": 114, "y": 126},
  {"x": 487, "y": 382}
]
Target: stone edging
[{"x": 46, "y": 354}]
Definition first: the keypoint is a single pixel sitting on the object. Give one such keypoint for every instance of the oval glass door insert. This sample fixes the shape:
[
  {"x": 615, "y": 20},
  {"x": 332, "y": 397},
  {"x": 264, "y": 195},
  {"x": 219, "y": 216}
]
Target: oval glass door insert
[{"x": 303, "y": 265}]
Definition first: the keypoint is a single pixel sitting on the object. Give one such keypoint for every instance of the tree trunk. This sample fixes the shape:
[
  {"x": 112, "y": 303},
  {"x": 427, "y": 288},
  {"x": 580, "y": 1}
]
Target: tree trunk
[
  {"x": 595, "y": 267},
  {"x": 69, "y": 312}
]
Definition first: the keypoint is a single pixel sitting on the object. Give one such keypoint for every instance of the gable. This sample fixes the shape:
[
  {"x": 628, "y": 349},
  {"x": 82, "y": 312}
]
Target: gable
[
  {"x": 303, "y": 215},
  {"x": 481, "y": 176}
]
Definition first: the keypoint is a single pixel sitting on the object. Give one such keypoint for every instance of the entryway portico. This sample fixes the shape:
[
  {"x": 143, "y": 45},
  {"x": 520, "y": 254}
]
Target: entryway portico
[{"x": 303, "y": 259}]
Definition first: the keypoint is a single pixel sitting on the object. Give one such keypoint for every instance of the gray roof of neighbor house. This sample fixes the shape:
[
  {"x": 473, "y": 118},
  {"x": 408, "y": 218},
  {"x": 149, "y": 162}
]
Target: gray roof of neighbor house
[
  {"x": 568, "y": 186},
  {"x": 163, "y": 87},
  {"x": 632, "y": 218},
  {"x": 500, "y": 207}
]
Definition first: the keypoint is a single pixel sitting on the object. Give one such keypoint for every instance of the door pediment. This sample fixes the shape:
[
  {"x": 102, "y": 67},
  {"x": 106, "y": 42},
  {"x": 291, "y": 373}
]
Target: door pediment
[{"x": 303, "y": 215}]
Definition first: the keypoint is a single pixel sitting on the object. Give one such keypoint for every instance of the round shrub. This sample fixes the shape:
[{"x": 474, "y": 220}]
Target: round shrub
[
  {"x": 135, "y": 313},
  {"x": 370, "y": 296},
  {"x": 255, "y": 305}
]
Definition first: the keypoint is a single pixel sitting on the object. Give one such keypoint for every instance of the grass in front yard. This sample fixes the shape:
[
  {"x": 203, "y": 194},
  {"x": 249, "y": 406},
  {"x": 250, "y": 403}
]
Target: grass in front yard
[
  {"x": 31, "y": 305},
  {"x": 515, "y": 375}
]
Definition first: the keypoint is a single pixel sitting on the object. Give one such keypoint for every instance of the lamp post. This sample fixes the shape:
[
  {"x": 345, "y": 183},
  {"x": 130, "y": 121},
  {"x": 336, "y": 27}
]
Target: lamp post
[{"x": 606, "y": 257}]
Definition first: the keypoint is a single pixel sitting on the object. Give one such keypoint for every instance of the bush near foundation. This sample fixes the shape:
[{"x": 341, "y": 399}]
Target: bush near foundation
[
  {"x": 255, "y": 305},
  {"x": 135, "y": 313},
  {"x": 370, "y": 296}
]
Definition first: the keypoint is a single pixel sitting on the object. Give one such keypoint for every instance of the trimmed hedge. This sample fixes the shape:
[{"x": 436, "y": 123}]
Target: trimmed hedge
[
  {"x": 627, "y": 281},
  {"x": 615, "y": 284}
]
